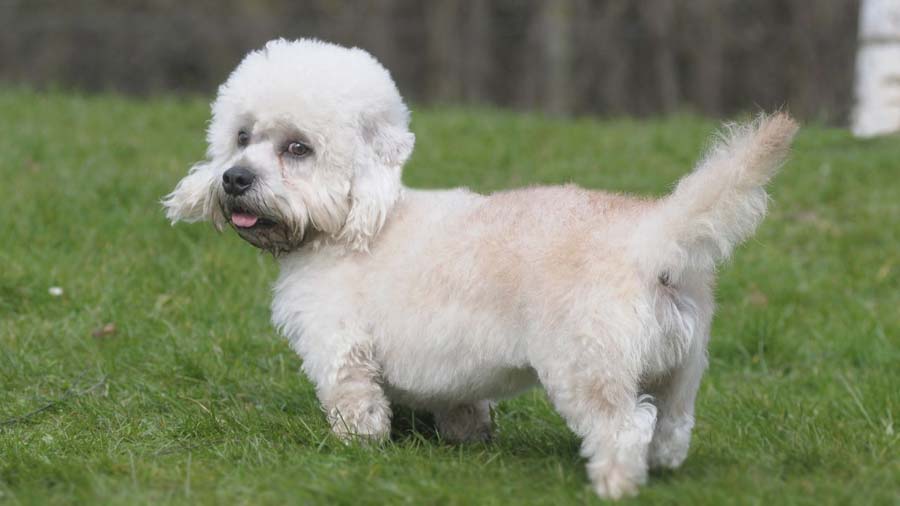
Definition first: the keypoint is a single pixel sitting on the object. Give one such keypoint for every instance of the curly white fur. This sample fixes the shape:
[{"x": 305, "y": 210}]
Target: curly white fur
[{"x": 449, "y": 300}]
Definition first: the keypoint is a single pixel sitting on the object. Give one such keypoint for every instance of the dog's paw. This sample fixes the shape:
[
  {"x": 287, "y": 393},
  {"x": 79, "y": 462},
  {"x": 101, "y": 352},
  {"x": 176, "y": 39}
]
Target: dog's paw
[
  {"x": 670, "y": 444},
  {"x": 466, "y": 423},
  {"x": 667, "y": 456},
  {"x": 614, "y": 482},
  {"x": 457, "y": 434},
  {"x": 367, "y": 422}
]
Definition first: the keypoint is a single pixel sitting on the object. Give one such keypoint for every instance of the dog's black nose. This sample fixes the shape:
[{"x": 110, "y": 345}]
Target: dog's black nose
[{"x": 237, "y": 180}]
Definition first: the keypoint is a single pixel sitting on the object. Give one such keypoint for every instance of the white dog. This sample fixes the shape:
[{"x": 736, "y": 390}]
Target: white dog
[{"x": 449, "y": 300}]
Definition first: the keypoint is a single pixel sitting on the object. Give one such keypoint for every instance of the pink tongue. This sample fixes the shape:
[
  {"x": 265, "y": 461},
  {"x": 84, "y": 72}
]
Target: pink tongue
[{"x": 243, "y": 220}]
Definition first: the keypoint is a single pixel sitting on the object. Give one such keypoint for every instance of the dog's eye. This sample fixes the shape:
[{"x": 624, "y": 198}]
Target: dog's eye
[
  {"x": 298, "y": 149},
  {"x": 243, "y": 138}
]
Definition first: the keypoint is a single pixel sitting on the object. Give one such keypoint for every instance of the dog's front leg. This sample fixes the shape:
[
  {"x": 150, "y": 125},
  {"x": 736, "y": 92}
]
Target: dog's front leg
[{"x": 354, "y": 402}]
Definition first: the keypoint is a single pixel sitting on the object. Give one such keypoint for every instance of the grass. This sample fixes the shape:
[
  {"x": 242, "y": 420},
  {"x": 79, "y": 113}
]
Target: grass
[{"x": 193, "y": 399}]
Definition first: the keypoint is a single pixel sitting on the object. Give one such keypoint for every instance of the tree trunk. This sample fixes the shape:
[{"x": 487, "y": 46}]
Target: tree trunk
[
  {"x": 556, "y": 22},
  {"x": 442, "y": 20}
]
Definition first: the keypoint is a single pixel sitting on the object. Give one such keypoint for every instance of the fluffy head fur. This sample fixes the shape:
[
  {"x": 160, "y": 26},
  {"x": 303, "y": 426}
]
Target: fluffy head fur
[
  {"x": 341, "y": 103},
  {"x": 450, "y": 300}
]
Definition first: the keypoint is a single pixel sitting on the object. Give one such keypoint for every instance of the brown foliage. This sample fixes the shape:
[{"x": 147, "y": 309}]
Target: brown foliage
[{"x": 560, "y": 56}]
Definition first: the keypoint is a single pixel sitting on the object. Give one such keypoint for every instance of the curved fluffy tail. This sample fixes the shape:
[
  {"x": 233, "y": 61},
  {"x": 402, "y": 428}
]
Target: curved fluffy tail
[{"x": 719, "y": 204}]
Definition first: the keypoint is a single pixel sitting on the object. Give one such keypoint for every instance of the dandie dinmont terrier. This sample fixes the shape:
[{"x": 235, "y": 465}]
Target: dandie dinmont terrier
[{"x": 450, "y": 300}]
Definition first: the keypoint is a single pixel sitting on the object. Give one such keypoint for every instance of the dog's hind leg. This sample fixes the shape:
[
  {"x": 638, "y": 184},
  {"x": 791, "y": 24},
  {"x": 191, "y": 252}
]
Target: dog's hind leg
[
  {"x": 597, "y": 394},
  {"x": 355, "y": 403},
  {"x": 675, "y": 400},
  {"x": 465, "y": 422}
]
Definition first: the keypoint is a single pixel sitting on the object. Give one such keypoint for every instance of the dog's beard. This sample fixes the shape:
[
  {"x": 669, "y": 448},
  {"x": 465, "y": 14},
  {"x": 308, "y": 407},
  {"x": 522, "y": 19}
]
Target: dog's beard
[{"x": 265, "y": 222}]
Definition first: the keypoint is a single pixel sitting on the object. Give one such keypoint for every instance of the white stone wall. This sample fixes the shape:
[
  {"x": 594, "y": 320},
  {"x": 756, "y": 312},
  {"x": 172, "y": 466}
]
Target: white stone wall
[{"x": 877, "y": 109}]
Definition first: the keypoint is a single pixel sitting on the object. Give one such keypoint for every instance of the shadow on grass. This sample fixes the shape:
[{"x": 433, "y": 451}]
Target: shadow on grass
[
  {"x": 532, "y": 441},
  {"x": 408, "y": 425}
]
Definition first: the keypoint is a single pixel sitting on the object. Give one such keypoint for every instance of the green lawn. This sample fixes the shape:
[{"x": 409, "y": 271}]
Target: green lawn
[{"x": 193, "y": 398}]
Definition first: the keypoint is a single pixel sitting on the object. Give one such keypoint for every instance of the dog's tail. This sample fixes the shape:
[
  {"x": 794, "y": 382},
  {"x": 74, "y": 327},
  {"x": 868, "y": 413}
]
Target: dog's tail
[{"x": 719, "y": 204}]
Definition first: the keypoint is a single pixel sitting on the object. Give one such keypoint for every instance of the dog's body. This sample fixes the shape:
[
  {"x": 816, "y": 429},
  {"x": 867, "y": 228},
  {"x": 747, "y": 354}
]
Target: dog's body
[{"x": 450, "y": 300}]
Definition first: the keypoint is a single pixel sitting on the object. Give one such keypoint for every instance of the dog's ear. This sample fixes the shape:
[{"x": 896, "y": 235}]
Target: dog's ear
[
  {"x": 390, "y": 143},
  {"x": 191, "y": 200},
  {"x": 376, "y": 184}
]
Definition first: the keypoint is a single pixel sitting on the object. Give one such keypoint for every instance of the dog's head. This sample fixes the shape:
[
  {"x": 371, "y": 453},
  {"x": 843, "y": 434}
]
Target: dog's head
[{"x": 307, "y": 140}]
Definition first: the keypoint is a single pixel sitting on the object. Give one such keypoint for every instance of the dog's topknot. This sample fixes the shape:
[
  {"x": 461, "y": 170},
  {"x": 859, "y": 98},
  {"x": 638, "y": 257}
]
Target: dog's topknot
[{"x": 335, "y": 79}]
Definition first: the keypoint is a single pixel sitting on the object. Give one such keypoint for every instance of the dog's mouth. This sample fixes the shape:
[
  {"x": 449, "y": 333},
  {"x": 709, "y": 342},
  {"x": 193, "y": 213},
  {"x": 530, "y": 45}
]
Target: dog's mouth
[
  {"x": 260, "y": 230},
  {"x": 241, "y": 218}
]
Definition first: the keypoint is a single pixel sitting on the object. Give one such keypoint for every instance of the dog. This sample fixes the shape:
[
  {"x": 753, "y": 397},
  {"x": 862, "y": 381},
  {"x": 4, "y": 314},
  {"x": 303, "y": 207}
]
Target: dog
[{"x": 450, "y": 300}]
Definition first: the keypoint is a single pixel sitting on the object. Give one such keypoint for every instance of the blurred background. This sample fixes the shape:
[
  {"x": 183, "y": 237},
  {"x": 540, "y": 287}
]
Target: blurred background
[{"x": 562, "y": 57}]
